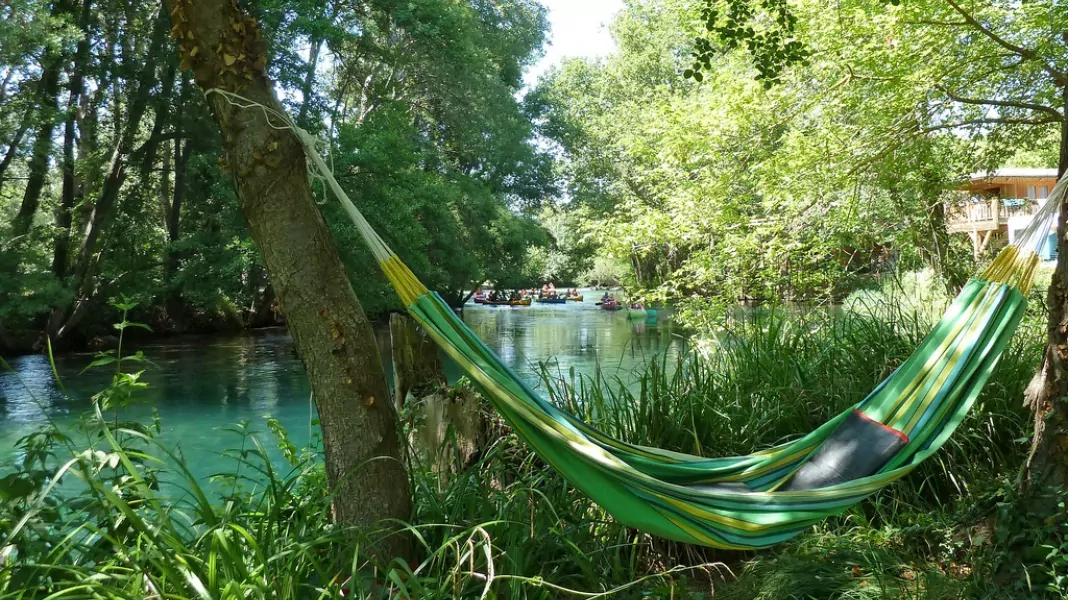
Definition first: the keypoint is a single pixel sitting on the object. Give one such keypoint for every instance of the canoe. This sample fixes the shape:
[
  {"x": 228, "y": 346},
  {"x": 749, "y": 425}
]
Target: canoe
[
  {"x": 552, "y": 300},
  {"x": 523, "y": 302},
  {"x": 574, "y": 298},
  {"x": 611, "y": 305},
  {"x": 497, "y": 303}
]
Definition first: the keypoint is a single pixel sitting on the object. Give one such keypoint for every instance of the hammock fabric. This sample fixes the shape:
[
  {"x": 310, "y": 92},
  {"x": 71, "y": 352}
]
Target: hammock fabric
[{"x": 700, "y": 500}]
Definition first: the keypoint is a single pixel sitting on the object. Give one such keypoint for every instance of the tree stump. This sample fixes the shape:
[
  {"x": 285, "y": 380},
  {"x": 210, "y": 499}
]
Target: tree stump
[{"x": 417, "y": 368}]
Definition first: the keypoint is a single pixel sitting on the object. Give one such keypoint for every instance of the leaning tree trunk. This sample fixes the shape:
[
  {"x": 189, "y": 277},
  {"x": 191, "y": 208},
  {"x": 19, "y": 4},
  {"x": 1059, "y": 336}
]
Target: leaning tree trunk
[
  {"x": 1047, "y": 465},
  {"x": 224, "y": 49}
]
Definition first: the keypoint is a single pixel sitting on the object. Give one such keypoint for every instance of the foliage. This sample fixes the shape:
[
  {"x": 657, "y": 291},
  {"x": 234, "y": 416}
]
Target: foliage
[
  {"x": 105, "y": 509},
  {"x": 804, "y": 190},
  {"x": 766, "y": 29},
  {"x": 433, "y": 145},
  {"x": 731, "y": 190}
]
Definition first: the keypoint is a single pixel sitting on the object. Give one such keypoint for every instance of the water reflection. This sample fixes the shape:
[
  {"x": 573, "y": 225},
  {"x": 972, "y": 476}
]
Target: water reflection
[
  {"x": 201, "y": 385},
  {"x": 575, "y": 336}
]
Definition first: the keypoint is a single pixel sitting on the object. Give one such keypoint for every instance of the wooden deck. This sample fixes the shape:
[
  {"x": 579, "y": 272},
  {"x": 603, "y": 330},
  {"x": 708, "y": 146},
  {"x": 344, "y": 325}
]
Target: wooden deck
[
  {"x": 984, "y": 207},
  {"x": 992, "y": 214}
]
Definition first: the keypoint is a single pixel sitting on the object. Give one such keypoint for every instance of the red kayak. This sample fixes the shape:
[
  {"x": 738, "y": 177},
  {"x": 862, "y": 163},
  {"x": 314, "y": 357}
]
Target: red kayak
[{"x": 611, "y": 304}]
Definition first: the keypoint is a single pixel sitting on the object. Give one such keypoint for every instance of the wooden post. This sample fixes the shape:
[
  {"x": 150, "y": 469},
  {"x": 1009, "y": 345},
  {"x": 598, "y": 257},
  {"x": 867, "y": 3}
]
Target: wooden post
[{"x": 416, "y": 366}]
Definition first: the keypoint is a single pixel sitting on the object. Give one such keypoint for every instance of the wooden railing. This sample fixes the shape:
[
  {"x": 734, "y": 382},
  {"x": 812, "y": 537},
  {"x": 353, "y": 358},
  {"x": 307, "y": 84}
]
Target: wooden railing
[{"x": 985, "y": 214}]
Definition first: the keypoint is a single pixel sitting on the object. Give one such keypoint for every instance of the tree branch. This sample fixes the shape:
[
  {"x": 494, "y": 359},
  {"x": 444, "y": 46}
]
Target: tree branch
[
  {"x": 1027, "y": 53},
  {"x": 938, "y": 23},
  {"x": 904, "y": 135},
  {"x": 988, "y": 121},
  {"x": 157, "y": 139},
  {"x": 1042, "y": 108}
]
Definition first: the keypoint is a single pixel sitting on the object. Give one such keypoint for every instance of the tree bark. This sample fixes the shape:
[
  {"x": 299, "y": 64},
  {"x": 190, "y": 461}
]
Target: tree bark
[
  {"x": 1047, "y": 464},
  {"x": 332, "y": 335}
]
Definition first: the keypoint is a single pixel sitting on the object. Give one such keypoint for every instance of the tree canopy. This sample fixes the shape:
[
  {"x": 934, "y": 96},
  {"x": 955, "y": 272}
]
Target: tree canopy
[
  {"x": 112, "y": 182},
  {"x": 728, "y": 187}
]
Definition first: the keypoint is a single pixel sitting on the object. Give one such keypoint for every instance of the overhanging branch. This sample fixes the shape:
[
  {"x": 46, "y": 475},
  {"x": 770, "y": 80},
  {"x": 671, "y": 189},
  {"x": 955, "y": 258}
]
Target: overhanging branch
[
  {"x": 1042, "y": 108},
  {"x": 1027, "y": 53},
  {"x": 988, "y": 121}
]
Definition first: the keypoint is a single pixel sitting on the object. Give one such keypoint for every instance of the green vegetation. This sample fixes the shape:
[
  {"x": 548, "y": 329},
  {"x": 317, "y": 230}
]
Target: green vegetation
[
  {"x": 787, "y": 152},
  {"x": 105, "y": 510},
  {"x": 113, "y": 180},
  {"x": 731, "y": 187}
]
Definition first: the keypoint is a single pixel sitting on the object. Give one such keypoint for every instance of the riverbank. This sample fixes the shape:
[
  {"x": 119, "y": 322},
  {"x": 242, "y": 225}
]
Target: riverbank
[
  {"x": 165, "y": 323},
  {"x": 507, "y": 525}
]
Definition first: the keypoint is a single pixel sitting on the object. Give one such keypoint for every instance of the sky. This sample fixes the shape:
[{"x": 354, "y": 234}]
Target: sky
[{"x": 577, "y": 28}]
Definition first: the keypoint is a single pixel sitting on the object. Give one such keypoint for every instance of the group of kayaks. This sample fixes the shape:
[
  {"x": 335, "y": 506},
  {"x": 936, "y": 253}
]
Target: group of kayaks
[
  {"x": 528, "y": 297},
  {"x": 524, "y": 298}
]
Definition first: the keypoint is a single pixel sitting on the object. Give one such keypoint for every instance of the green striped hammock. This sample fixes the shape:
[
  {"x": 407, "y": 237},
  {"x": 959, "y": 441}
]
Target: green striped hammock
[{"x": 679, "y": 496}]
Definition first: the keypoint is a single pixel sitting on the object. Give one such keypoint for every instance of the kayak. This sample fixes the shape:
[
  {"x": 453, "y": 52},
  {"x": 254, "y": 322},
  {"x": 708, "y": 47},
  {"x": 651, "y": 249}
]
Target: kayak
[
  {"x": 523, "y": 302},
  {"x": 610, "y": 305},
  {"x": 574, "y": 298},
  {"x": 552, "y": 300}
]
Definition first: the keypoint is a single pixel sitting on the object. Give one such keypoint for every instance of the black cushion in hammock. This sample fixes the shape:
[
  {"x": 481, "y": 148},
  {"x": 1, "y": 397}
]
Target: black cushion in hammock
[{"x": 858, "y": 448}]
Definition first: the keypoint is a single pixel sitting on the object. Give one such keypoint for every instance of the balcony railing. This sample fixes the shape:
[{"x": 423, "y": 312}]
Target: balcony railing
[{"x": 985, "y": 214}]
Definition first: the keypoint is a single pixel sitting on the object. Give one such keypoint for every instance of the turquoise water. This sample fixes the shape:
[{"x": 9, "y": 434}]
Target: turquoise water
[{"x": 203, "y": 385}]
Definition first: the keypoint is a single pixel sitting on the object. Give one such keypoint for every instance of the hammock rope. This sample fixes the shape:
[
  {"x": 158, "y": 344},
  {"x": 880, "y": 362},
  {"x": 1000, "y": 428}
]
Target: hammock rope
[{"x": 737, "y": 502}]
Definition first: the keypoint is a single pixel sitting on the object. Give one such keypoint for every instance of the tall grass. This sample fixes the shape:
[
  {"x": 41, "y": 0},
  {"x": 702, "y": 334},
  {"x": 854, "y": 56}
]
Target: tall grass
[{"x": 96, "y": 522}]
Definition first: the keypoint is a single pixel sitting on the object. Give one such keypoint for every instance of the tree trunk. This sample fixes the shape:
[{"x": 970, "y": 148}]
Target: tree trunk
[
  {"x": 332, "y": 335},
  {"x": 1047, "y": 465},
  {"x": 82, "y": 286},
  {"x": 416, "y": 366},
  {"x": 172, "y": 212},
  {"x": 13, "y": 149},
  {"x": 63, "y": 217},
  {"x": 42, "y": 144},
  {"x": 306, "y": 88}
]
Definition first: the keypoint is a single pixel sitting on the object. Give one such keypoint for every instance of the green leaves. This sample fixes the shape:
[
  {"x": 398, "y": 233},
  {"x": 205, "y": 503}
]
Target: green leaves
[{"x": 766, "y": 29}]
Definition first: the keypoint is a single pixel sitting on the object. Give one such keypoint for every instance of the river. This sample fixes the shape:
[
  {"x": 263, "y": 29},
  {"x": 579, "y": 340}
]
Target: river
[{"x": 201, "y": 386}]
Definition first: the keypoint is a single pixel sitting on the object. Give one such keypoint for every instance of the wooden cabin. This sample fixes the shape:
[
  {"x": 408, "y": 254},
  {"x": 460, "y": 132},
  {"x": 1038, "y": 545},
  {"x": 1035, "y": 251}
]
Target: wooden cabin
[{"x": 993, "y": 207}]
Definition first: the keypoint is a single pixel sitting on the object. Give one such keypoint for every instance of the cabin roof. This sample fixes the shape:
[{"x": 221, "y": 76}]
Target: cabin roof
[{"x": 1014, "y": 172}]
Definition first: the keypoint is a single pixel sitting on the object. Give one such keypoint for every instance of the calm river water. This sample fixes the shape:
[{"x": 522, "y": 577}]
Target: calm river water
[{"x": 202, "y": 385}]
